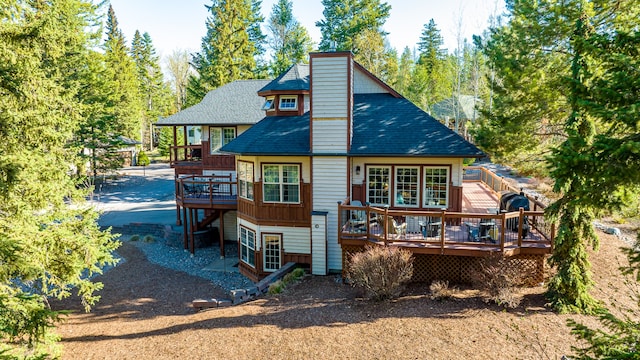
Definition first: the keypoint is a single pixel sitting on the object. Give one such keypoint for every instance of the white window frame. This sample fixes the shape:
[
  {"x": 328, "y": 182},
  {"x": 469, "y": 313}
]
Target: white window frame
[
  {"x": 272, "y": 256},
  {"x": 378, "y": 188},
  {"x": 433, "y": 198},
  {"x": 287, "y": 104},
  {"x": 220, "y": 135},
  {"x": 245, "y": 180},
  {"x": 248, "y": 246},
  {"x": 404, "y": 192},
  {"x": 281, "y": 182},
  {"x": 269, "y": 104}
]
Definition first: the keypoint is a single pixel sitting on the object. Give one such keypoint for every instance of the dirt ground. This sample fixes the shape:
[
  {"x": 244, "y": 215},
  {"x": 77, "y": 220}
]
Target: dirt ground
[{"x": 145, "y": 313}]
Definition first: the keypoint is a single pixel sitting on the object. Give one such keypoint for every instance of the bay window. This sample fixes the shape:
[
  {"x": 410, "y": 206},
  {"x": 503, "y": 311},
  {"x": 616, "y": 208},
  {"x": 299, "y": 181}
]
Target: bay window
[
  {"x": 245, "y": 180},
  {"x": 248, "y": 246}
]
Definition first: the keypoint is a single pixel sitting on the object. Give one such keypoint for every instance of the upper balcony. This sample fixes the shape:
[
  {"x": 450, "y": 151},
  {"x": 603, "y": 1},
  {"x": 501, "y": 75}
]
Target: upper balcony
[{"x": 192, "y": 159}]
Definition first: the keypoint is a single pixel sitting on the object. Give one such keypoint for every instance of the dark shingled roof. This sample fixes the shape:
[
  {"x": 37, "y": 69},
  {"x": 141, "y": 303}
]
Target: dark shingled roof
[
  {"x": 274, "y": 135},
  {"x": 383, "y": 126},
  {"x": 294, "y": 78},
  {"x": 389, "y": 126},
  {"x": 235, "y": 103}
]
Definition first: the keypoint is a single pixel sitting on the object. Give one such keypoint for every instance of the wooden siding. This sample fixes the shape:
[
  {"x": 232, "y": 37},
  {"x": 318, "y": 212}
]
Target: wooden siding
[
  {"x": 330, "y": 179},
  {"x": 329, "y": 88},
  {"x": 329, "y": 136},
  {"x": 216, "y": 161},
  {"x": 276, "y": 214},
  {"x": 363, "y": 84}
]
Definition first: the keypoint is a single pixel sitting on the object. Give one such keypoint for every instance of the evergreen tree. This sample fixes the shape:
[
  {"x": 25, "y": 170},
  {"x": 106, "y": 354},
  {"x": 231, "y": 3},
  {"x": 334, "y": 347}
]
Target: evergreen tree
[
  {"x": 230, "y": 48},
  {"x": 563, "y": 92},
  {"x": 405, "y": 68},
  {"x": 154, "y": 91},
  {"x": 125, "y": 100},
  {"x": 289, "y": 41},
  {"x": 47, "y": 248},
  {"x": 430, "y": 46},
  {"x": 345, "y": 19}
]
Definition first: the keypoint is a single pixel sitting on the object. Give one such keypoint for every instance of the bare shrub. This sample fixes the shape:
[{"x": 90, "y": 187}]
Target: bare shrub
[
  {"x": 440, "y": 290},
  {"x": 499, "y": 279},
  {"x": 380, "y": 271}
]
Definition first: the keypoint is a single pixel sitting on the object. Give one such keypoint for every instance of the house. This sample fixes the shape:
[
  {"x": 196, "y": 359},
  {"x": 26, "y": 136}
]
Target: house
[{"x": 339, "y": 161}]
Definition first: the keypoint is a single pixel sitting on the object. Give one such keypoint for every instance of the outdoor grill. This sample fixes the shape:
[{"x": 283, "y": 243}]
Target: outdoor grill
[{"x": 512, "y": 201}]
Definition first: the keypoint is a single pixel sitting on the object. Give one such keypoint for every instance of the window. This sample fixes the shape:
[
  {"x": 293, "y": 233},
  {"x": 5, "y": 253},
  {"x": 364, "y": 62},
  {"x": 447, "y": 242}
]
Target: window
[
  {"x": 288, "y": 103},
  {"x": 378, "y": 185},
  {"x": 436, "y": 187},
  {"x": 248, "y": 246},
  {"x": 269, "y": 104},
  {"x": 245, "y": 180},
  {"x": 220, "y": 137},
  {"x": 281, "y": 183},
  {"x": 271, "y": 252},
  {"x": 406, "y": 186}
]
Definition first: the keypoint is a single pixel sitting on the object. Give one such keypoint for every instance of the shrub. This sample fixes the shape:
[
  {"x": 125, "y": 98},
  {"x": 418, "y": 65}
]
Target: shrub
[
  {"x": 380, "y": 271},
  {"x": 292, "y": 277},
  {"x": 499, "y": 279},
  {"x": 143, "y": 159},
  {"x": 148, "y": 239},
  {"x": 134, "y": 238},
  {"x": 276, "y": 287},
  {"x": 440, "y": 290}
]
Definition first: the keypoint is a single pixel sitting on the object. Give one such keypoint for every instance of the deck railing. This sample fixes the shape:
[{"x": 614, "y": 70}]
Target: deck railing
[
  {"x": 190, "y": 153},
  {"x": 206, "y": 189},
  {"x": 495, "y": 230}
]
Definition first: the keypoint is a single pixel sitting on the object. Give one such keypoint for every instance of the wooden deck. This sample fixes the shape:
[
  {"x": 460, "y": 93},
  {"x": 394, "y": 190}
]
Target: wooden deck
[{"x": 476, "y": 231}]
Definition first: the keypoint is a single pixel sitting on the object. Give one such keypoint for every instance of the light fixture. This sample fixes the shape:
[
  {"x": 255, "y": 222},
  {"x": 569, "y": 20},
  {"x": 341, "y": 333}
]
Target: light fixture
[{"x": 358, "y": 170}]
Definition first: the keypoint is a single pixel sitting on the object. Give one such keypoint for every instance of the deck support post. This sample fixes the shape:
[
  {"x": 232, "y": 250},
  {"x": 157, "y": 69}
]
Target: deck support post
[
  {"x": 222, "y": 212},
  {"x": 184, "y": 227},
  {"x": 191, "y": 240}
]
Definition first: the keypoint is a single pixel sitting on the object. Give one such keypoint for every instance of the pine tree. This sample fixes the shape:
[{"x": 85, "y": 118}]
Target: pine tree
[
  {"x": 125, "y": 100},
  {"x": 345, "y": 19},
  {"x": 289, "y": 40},
  {"x": 431, "y": 46},
  {"x": 154, "y": 91},
  {"x": 230, "y": 48},
  {"x": 47, "y": 248}
]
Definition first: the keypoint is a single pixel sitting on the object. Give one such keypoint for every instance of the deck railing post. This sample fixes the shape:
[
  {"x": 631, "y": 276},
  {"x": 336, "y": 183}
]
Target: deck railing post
[
  {"x": 385, "y": 224},
  {"x": 340, "y": 221},
  {"x": 442, "y": 231},
  {"x": 520, "y": 226},
  {"x": 504, "y": 227}
]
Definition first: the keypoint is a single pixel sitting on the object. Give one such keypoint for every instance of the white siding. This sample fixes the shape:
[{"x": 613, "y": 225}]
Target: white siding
[
  {"x": 230, "y": 227},
  {"x": 329, "y": 136},
  {"x": 294, "y": 239},
  {"x": 363, "y": 84},
  {"x": 329, "y": 89},
  {"x": 329, "y": 187},
  {"x": 319, "y": 245}
]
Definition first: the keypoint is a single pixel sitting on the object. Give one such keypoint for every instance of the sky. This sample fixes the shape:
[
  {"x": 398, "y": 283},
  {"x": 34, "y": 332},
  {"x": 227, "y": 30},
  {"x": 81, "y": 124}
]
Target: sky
[{"x": 180, "y": 24}]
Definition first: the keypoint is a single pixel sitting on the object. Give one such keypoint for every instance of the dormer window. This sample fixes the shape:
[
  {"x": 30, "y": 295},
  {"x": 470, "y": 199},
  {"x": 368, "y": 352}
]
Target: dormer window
[
  {"x": 288, "y": 103},
  {"x": 269, "y": 104}
]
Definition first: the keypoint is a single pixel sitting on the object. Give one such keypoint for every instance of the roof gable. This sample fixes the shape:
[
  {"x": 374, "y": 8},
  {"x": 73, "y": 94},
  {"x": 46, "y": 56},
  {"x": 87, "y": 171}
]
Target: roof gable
[{"x": 235, "y": 103}]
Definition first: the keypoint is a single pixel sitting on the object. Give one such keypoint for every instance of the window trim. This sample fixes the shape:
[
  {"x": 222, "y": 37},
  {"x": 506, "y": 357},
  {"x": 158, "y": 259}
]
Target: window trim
[
  {"x": 265, "y": 251},
  {"x": 248, "y": 180},
  {"x": 418, "y": 185},
  {"x": 288, "y": 97},
  {"x": 281, "y": 183},
  {"x": 243, "y": 231},
  {"x": 447, "y": 186},
  {"x": 388, "y": 183}
]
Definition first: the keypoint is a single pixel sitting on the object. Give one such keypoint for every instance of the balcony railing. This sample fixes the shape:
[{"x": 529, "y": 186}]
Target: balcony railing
[
  {"x": 442, "y": 232},
  {"x": 185, "y": 153},
  {"x": 206, "y": 190}
]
